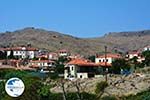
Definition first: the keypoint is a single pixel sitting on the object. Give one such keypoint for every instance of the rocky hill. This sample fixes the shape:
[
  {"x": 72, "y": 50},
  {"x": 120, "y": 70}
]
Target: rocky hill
[{"x": 53, "y": 41}]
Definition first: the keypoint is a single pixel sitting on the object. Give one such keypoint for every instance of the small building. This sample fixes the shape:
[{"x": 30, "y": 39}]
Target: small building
[
  {"x": 132, "y": 54},
  {"x": 42, "y": 57},
  {"x": 135, "y": 53},
  {"x": 146, "y": 48},
  {"x": 52, "y": 56},
  {"x": 107, "y": 59},
  {"x": 63, "y": 52},
  {"x": 41, "y": 63},
  {"x": 80, "y": 68}
]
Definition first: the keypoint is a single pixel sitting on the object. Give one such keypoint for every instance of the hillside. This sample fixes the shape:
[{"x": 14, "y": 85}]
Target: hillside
[
  {"x": 53, "y": 41},
  {"x": 124, "y": 41}
]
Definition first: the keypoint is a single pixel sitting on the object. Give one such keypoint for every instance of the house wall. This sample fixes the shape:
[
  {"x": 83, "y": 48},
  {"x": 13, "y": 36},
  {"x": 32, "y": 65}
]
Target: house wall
[
  {"x": 132, "y": 55},
  {"x": 31, "y": 54},
  {"x": 109, "y": 60},
  {"x": 22, "y": 54},
  {"x": 82, "y": 75},
  {"x": 52, "y": 57},
  {"x": 42, "y": 64},
  {"x": 146, "y": 48},
  {"x": 63, "y": 53},
  {"x": 75, "y": 71},
  {"x": 71, "y": 72},
  {"x": 8, "y": 53}
]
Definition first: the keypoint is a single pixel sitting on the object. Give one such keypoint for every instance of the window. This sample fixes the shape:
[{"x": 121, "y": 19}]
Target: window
[
  {"x": 103, "y": 60},
  {"x": 106, "y": 60},
  {"x": 99, "y": 60},
  {"x": 72, "y": 68},
  {"x": 80, "y": 76}
]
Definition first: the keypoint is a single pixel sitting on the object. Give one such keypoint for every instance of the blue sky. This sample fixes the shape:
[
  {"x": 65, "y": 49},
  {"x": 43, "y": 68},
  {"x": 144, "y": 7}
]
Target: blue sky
[{"x": 81, "y": 18}]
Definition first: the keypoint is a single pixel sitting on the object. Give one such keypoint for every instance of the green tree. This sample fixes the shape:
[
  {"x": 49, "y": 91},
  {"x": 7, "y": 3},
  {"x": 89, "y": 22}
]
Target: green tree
[
  {"x": 2, "y": 89},
  {"x": 32, "y": 84},
  {"x": 3, "y": 55},
  {"x": 146, "y": 54},
  {"x": 60, "y": 64},
  {"x": 100, "y": 87},
  {"x": 92, "y": 58},
  {"x": 11, "y": 56},
  {"x": 119, "y": 64}
]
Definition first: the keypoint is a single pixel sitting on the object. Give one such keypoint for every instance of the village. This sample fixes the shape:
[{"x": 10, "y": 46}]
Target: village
[{"x": 74, "y": 66}]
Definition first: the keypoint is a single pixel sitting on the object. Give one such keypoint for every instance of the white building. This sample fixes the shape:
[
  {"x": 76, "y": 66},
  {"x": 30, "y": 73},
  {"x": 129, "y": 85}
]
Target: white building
[
  {"x": 22, "y": 52},
  {"x": 63, "y": 52},
  {"x": 137, "y": 54},
  {"x": 147, "y": 48},
  {"x": 80, "y": 68},
  {"x": 108, "y": 59},
  {"x": 41, "y": 63},
  {"x": 132, "y": 54},
  {"x": 52, "y": 56}
]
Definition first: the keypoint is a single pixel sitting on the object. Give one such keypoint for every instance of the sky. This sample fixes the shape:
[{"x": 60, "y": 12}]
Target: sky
[{"x": 81, "y": 18}]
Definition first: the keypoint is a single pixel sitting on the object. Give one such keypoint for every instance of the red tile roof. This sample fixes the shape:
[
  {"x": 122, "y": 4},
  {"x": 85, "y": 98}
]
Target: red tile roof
[
  {"x": 13, "y": 60},
  {"x": 63, "y": 50},
  {"x": 82, "y": 62},
  {"x": 110, "y": 56},
  {"x": 134, "y": 52},
  {"x": 52, "y": 53},
  {"x": 48, "y": 61},
  {"x": 103, "y": 64},
  {"x": 42, "y": 56},
  {"x": 20, "y": 48}
]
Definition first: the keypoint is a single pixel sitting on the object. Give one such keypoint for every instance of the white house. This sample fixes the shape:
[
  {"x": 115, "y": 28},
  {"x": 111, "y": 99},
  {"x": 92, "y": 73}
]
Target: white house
[
  {"x": 132, "y": 54},
  {"x": 146, "y": 48},
  {"x": 80, "y": 68},
  {"x": 135, "y": 53},
  {"x": 106, "y": 59},
  {"x": 41, "y": 63},
  {"x": 52, "y": 56},
  {"x": 63, "y": 52},
  {"x": 22, "y": 52}
]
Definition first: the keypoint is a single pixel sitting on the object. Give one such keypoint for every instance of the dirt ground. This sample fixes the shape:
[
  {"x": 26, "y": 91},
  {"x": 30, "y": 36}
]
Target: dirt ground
[{"x": 119, "y": 85}]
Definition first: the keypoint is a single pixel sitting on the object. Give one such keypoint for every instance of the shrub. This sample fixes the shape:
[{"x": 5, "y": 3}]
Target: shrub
[{"x": 100, "y": 87}]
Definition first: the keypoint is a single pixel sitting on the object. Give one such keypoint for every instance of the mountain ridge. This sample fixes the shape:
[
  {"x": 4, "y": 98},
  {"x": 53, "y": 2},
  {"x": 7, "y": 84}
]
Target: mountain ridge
[{"x": 52, "y": 41}]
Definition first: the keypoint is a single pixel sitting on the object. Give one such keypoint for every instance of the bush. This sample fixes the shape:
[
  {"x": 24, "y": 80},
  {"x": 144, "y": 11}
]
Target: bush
[
  {"x": 2, "y": 89},
  {"x": 119, "y": 64},
  {"x": 100, "y": 87},
  {"x": 109, "y": 98}
]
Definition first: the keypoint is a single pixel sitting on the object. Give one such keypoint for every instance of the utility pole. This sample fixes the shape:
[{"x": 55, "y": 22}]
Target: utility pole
[{"x": 106, "y": 71}]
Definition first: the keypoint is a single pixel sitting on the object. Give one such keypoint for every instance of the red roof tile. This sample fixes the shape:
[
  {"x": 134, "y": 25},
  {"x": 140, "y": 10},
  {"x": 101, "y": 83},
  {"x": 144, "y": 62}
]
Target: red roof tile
[
  {"x": 82, "y": 62},
  {"x": 20, "y": 48},
  {"x": 110, "y": 56},
  {"x": 41, "y": 61},
  {"x": 103, "y": 64},
  {"x": 63, "y": 50},
  {"x": 134, "y": 52}
]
